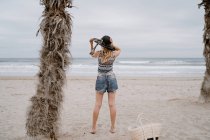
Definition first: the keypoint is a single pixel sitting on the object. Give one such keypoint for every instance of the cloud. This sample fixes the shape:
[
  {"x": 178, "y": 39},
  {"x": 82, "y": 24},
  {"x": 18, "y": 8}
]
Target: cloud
[{"x": 164, "y": 26}]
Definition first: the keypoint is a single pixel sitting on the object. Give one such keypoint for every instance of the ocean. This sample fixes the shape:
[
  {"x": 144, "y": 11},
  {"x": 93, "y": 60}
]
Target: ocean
[{"x": 137, "y": 67}]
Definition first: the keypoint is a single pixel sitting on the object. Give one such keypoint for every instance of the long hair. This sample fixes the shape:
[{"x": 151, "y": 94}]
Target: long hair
[{"x": 105, "y": 55}]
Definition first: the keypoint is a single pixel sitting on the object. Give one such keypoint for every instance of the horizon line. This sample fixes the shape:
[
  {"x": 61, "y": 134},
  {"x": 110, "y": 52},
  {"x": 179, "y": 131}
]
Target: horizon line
[{"x": 91, "y": 57}]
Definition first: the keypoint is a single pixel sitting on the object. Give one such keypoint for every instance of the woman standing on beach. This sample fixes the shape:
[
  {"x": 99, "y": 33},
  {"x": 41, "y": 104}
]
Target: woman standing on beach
[{"x": 106, "y": 80}]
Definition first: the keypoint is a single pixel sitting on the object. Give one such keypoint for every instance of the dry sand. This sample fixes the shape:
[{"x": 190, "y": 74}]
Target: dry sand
[{"x": 171, "y": 101}]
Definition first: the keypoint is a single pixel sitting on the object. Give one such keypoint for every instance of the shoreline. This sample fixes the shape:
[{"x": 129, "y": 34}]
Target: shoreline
[{"x": 75, "y": 77}]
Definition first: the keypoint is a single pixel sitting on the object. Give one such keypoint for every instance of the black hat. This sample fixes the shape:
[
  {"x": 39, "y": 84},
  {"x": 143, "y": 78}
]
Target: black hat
[{"x": 106, "y": 42}]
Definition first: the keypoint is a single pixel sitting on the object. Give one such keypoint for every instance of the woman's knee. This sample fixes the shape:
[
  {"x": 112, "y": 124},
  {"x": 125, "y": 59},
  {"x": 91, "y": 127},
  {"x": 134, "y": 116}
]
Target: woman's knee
[
  {"x": 98, "y": 105},
  {"x": 111, "y": 101},
  {"x": 111, "y": 104}
]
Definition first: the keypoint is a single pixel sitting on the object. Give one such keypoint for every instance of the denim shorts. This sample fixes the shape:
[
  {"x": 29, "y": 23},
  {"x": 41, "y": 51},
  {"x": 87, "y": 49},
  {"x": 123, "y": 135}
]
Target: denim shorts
[{"x": 106, "y": 82}]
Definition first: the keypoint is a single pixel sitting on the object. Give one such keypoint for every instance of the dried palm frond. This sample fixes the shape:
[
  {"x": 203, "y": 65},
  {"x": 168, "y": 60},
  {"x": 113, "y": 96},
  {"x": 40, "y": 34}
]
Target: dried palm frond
[
  {"x": 205, "y": 88},
  {"x": 55, "y": 28}
]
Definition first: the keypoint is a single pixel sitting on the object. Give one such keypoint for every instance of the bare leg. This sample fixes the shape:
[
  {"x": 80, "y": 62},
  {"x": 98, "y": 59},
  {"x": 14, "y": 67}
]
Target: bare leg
[
  {"x": 98, "y": 103},
  {"x": 112, "y": 108}
]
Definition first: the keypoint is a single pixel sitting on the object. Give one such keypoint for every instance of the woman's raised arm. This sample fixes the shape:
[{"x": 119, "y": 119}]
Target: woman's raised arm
[
  {"x": 117, "y": 51},
  {"x": 93, "y": 53}
]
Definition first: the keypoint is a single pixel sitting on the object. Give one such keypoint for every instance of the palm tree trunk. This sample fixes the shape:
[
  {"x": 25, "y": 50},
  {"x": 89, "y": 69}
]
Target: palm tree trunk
[
  {"x": 55, "y": 27},
  {"x": 205, "y": 88}
]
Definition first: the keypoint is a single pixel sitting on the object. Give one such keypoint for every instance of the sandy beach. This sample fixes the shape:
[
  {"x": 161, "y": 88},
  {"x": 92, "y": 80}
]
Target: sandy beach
[{"x": 171, "y": 101}]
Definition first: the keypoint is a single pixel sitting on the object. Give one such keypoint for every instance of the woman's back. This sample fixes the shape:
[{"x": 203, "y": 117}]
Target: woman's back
[{"x": 107, "y": 66}]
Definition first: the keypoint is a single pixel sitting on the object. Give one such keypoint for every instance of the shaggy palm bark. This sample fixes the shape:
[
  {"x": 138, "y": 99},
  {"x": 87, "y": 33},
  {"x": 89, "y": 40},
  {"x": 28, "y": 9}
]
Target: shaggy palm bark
[
  {"x": 205, "y": 88},
  {"x": 55, "y": 27}
]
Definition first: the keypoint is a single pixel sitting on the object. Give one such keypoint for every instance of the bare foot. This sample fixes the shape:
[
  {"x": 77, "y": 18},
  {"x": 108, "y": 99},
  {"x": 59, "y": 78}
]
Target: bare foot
[
  {"x": 112, "y": 130},
  {"x": 93, "y": 131}
]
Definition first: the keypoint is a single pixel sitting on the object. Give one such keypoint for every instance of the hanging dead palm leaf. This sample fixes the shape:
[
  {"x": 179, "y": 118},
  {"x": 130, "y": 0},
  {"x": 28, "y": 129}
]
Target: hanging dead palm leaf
[
  {"x": 205, "y": 88},
  {"x": 55, "y": 28}
]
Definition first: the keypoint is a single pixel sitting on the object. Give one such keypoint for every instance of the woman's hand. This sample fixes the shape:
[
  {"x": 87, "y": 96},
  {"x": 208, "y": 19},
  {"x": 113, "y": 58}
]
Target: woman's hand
[
  {"x": 116, "y": 48},
  {"x": 92, "y": 39}
]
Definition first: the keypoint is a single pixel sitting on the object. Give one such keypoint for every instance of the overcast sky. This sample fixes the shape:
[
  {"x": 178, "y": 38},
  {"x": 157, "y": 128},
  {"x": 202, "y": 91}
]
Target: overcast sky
[{"x": 142, "y": 28}]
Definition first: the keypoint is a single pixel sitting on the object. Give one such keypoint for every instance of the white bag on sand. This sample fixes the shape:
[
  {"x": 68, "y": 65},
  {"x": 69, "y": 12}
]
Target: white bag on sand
[{"x": 149, "y": 131}]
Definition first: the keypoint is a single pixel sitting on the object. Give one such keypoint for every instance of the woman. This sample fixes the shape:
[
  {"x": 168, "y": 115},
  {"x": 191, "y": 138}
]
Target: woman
[{"x": 106, "y": 80}]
